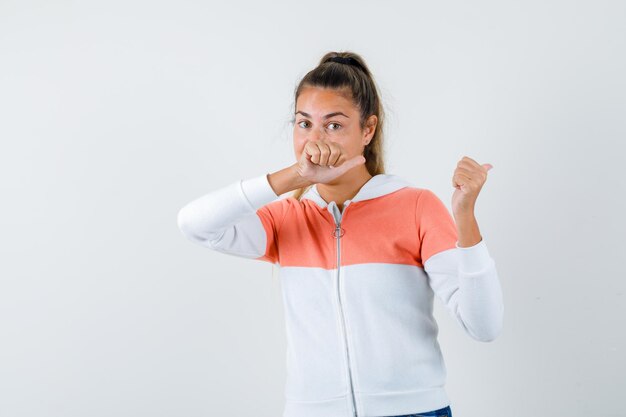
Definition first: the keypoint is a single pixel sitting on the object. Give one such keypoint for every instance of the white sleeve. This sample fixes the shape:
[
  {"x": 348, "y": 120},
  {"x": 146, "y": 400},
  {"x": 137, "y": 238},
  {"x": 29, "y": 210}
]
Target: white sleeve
[
  {"x": 225, "y": 219},
  {"x": 466, "y": 281}
]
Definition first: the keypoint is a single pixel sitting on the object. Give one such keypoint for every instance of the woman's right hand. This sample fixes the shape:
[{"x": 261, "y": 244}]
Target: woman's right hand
[{"x": 322, "y": 161}]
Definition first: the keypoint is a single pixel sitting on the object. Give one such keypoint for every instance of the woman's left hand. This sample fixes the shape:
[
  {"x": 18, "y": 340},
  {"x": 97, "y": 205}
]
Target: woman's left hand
[{"x": 468, "y": 179}]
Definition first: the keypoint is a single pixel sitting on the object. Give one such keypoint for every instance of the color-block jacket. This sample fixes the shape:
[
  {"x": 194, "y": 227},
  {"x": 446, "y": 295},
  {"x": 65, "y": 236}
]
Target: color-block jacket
[{"x": 358, "y": 288}]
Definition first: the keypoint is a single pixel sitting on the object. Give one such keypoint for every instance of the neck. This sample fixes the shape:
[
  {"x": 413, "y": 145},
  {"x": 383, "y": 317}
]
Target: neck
[{"x": 344, "y": 187}]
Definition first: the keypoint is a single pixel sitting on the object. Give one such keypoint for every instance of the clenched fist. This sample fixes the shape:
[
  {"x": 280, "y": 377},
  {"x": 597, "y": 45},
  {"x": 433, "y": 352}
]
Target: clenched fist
[
  {"x": 468, "y": 179},
  {"x": 322, "y": 161}
]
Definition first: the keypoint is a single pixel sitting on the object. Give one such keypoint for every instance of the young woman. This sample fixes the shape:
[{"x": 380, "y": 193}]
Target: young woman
[{"x": 360, "y": 253}]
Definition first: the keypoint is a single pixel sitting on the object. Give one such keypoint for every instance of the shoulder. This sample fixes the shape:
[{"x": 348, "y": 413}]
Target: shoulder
[
  {"x": 279, "y": 205},
  {"x": 407, "y": 186},
  {"x": 277, "y": 210},
  {"x": 421, "y": 195}
]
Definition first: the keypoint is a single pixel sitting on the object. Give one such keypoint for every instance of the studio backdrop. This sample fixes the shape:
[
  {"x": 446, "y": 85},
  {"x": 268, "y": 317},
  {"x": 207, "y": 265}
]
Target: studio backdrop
[{"x": 115, "y": 114}]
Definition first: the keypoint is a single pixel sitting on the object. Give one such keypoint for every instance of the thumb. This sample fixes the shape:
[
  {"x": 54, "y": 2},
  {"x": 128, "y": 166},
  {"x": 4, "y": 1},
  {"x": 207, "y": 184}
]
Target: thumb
[
  {"x": 488, "y": 166},
  {"x": 351, "y": 163}
]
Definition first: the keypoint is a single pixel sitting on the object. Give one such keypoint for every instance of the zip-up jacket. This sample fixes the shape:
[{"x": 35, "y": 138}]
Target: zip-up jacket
[{"x": 357, "y": 288}]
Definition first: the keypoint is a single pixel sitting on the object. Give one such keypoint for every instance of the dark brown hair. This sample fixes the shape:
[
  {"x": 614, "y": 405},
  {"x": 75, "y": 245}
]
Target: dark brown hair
[{"x": 355, "y": 80}]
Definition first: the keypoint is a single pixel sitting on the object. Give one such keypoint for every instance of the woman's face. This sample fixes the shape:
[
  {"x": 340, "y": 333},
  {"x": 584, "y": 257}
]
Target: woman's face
[{"x": 326, "y": 114}]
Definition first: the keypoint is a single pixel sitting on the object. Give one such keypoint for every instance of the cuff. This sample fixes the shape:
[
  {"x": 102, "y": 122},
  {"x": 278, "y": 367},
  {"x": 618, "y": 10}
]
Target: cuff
[
  {"x": 258, "y": 191},
  {"x": 474, "y": 258}
]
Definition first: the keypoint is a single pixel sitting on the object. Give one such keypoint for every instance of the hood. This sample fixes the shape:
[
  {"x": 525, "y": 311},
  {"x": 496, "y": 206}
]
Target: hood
[{"x": 376, "y": 186}]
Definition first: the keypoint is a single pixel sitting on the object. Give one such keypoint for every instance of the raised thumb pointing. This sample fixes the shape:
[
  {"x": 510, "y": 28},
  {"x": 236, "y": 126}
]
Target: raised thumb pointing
[
  {"x": 354, "y": 161},
  {"x": 357, "y": 160}
]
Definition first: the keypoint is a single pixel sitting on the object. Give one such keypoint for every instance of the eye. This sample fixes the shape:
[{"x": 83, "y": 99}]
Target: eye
[{"x": 332, "y": 123}]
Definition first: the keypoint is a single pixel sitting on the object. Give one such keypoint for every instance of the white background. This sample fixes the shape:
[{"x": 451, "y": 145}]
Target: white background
[{"x": 114, "y": 114}]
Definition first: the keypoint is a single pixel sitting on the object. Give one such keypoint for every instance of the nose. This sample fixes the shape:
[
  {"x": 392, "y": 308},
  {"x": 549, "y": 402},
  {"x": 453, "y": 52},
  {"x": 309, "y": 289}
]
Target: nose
[{"x": 317, "y": 134}]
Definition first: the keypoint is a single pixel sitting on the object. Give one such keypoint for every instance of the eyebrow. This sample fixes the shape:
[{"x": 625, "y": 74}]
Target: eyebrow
[{"x": 337, "y": 113}]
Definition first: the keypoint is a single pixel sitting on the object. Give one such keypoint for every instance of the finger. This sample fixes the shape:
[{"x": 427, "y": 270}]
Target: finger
[
  {"x": 312, "y": 149},
  {"x": 342, "y": 159},
  {"x": 324, "y": 153},
  {"x": 468, "y": 173},
  {"x": 479, "y": 172},
  {"x": 472, "y": 162},
  {"x": 468, "y": 165},
  {"x": 335, "y": 155},
  {"x": 459, "y": 179},
  {"x": 472, "y": 165}
]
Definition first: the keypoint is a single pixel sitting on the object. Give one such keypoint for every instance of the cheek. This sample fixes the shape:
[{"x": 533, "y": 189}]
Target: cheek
[
  {"x": 352, "y": 145},
  {"x": 298, "y": 147}
]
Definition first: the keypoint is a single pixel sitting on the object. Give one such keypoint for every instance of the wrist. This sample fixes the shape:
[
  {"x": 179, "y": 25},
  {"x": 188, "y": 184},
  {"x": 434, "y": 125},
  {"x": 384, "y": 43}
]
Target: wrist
[{"x": 287, "y": 179}]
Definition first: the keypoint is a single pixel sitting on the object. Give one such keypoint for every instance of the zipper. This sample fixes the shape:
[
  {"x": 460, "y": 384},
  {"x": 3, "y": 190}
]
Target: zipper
[{"x": 338, "y": 232}]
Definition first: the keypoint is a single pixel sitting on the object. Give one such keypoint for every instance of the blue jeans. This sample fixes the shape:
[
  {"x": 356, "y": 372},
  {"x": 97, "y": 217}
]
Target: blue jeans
[{"x": 442, "y": 412}]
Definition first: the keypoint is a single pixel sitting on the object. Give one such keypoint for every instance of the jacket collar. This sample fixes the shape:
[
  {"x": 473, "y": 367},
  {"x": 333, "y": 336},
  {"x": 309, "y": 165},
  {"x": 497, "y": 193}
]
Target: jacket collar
[{"x": 376, "y": 186}]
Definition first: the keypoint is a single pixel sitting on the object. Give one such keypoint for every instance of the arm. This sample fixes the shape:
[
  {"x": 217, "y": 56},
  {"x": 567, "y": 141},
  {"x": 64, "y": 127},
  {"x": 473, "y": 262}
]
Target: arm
[
  {"x": 225, "y": 219},
  {"x": 242, "y": 218},
  {"x": 465, "y": 279}
]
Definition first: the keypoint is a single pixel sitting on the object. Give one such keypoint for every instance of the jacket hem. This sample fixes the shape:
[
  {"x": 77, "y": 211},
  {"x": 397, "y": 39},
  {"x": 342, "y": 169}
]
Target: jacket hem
[
  {"x": 371, "y": 405},
  {"x": 402, "y": 402}
]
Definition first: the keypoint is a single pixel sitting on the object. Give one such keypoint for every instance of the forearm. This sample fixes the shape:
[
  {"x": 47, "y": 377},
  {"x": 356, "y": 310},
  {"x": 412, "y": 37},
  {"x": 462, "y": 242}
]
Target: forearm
[
  {"x": 207, "y": 217},
  {"x": 287, "y": 179},
  {"x": 467, "y": 229},
  {"x": 467, "y": 281},
  {"x": 480, "y": 303}
]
